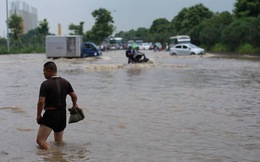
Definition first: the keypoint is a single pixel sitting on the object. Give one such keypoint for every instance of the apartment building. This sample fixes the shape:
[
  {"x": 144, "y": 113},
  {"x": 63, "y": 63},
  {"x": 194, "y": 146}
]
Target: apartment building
[{"x": 28, "y": 13}]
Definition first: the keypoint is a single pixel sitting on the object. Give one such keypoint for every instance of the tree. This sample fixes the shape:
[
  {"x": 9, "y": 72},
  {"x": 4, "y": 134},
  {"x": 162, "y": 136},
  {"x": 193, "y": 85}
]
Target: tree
[
  {"x": 239, "y": 32},
  {"x": 128, "y": 35},
  {"x": 103, "y": 26},
  {"x": 208, "y": 32},
  {"x": 31, "y": 36},
  {"x": 256, "y": 33},
  {"x": 43, "y": 27},
  {"x": 77, "y": 29},
  {"x": 176, "y": 24},
  {"x": 188, "y": 18},
  {"x": 3, "y": 48},
  {"x": 246, "y": 8},
  {"x": 15, "y": 24},
  {"x": 160, "y": 25},
  {"x": 142, "y": 33}
]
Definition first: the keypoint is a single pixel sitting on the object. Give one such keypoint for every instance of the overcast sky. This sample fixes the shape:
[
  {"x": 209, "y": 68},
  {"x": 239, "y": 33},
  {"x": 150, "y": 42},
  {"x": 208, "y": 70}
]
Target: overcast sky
[{"x": 127, "y": 14}]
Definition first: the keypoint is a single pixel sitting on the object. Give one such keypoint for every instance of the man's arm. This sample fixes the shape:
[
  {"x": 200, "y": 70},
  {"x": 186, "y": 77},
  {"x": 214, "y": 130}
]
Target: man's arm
[
  {"x": 74, "y": 99},
  {"x": 40, "y": 106}
]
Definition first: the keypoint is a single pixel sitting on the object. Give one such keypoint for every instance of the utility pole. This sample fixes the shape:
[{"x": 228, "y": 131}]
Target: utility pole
[{"x": 7, "y": 21}]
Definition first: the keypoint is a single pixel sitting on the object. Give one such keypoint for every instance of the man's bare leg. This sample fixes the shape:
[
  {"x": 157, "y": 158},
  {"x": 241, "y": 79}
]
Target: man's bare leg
[
  {"x": 58, "y": 137},
  {"x": 43, "y": 134}
]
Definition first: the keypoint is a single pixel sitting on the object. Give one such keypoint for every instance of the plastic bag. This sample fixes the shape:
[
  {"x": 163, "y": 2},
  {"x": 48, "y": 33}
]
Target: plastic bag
[{"x": 76, "y": 115}]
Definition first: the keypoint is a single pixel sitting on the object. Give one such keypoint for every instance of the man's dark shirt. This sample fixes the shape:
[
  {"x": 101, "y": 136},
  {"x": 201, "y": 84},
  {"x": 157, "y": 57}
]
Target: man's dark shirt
[{"x": 54, "y": 97}]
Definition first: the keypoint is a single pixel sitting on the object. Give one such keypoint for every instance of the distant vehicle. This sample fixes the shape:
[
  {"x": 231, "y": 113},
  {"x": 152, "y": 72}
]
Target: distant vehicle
[
  {"x": 130, "y": 43},
  {"x": 186, "y": 49},
  {"x": 90, "y": 49},
  {"x": 70, "y": 47},
  {"x": 138, "y": 41},
  {"x": 179, "y": 39},
  {"x": 144, "y": 46},
  {"x": 157, "y": 46},
  {"x": 134, "y": 42},
  {"x": 116, "y": 43}
]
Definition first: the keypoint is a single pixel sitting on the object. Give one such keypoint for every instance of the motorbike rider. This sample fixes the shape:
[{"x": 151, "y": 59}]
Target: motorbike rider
[
  {"x": 134, "y": 55},
  {"x": 138, "y": 55},
  {"x": 130, "y": 54}
]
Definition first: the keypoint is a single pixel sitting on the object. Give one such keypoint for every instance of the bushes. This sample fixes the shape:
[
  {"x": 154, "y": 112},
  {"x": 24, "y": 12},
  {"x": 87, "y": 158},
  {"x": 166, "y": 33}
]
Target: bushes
[
  {"x": 242, "y": 49},
  {"x": 247, "y": 49},
  {"x": 219, "y": 47},
  {"x": 15, "y": 49},
  {"x": 28, "y": 49},
  {"x": 3, "y": 50}
]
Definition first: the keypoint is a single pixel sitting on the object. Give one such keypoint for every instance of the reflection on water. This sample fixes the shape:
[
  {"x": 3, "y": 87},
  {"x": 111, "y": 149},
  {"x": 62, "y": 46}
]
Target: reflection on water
[
  {"x": 134, "y": 71},
  {"x": 180, "y": 109}
]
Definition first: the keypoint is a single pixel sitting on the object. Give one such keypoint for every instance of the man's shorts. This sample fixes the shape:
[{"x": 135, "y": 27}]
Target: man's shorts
[{"x": 55, "y": 119}]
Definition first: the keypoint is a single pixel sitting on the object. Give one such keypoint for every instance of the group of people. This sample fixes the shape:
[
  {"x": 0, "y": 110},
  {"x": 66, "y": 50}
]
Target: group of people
[{"x": 135, "y": 56}]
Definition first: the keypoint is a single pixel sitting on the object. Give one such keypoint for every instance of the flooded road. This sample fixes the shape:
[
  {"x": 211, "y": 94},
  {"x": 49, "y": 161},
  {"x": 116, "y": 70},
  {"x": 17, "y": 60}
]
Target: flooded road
[{"x": 178, "y": 109}]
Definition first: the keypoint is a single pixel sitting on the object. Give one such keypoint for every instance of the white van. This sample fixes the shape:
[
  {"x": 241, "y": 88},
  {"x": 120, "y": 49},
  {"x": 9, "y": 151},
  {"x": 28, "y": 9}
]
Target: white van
[{"x": 179, "y": 39}]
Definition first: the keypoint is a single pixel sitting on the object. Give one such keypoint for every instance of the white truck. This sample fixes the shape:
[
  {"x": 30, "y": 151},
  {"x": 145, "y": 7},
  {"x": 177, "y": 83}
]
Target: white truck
[{"x": 70, "y": 46}]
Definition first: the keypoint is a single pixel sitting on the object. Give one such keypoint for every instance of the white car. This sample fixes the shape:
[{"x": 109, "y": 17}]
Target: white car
[
  {"x": 186, "y": 49},
  {"x": 144, "y": 46}
]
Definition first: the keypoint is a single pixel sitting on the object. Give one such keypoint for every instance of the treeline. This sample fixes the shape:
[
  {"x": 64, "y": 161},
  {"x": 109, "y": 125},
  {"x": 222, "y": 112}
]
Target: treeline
[
  {"x": 31, "y": 42},
  {"x": 34, "y": 40},
  {"x": 236, "y": 32}
]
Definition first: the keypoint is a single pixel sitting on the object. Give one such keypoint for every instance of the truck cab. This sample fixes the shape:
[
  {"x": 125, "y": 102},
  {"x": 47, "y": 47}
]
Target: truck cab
[{"x": 90, "y": 49}]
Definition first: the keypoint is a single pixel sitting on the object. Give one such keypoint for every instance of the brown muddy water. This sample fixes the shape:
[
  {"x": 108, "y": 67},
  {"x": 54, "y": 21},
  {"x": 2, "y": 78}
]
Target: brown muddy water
[{"x": 178, "y": 109}]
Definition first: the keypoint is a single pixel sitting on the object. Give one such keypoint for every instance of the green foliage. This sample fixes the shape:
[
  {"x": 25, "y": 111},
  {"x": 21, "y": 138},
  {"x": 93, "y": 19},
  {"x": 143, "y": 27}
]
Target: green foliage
[
  {"x": 218, "y": 32},
  {"x": 43, "y": 27},
  {"x": 188, "y": 18},
  {"x": 103, "y": 26},
  {"x": 247, "y": 8},
  {"x": 77, "y": 29},
  {"x": 238, "y": 32},
  {"x": 15, "y": 24},
  {"x": 255, "y": 32},
  {"x": 208, "y": 31},
  {"x": 219, "y": 47},
  {"x": 246, "y": 49},
  {"x": 130, "y": 34},
  {"x": 26, "y": 47},
  {"x": 2, "y": 41},
  {"x": 160, "y": 26},
  {"x": 142, "y": 33},
  {"x": 31, "y": 42},
  {"x": 3, "y": 48}
]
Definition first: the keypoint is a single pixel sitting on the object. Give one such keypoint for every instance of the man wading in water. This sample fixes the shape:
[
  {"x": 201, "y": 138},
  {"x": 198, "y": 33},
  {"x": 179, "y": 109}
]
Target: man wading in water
[{"x": 52, "y": 98}]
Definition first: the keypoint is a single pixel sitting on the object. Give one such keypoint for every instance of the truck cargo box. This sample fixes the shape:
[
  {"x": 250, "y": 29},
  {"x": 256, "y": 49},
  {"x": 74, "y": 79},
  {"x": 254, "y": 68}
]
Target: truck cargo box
[{"x": 63, "y": 46}]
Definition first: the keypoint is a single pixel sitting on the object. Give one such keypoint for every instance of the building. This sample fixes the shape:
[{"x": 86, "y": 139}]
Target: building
[{"x": 29, "y": 14}]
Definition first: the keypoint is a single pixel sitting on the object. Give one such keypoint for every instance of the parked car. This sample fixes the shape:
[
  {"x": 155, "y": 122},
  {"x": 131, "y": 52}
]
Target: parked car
[
  {"x": 144, "y": 46},
  {"x": 186, "y": 49}
]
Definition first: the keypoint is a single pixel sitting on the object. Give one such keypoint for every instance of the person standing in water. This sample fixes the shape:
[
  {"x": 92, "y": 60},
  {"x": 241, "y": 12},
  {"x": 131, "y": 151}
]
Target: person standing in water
[{"x": 52, "y": 99}]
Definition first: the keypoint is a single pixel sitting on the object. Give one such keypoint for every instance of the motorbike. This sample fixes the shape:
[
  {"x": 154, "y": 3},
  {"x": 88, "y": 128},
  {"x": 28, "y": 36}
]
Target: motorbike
[{"x": 137, "y": 57}]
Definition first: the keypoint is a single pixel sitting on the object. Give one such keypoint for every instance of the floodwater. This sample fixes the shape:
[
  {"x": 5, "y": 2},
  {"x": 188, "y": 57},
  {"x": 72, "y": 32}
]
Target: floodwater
[{"x": 178, "y": 109}]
